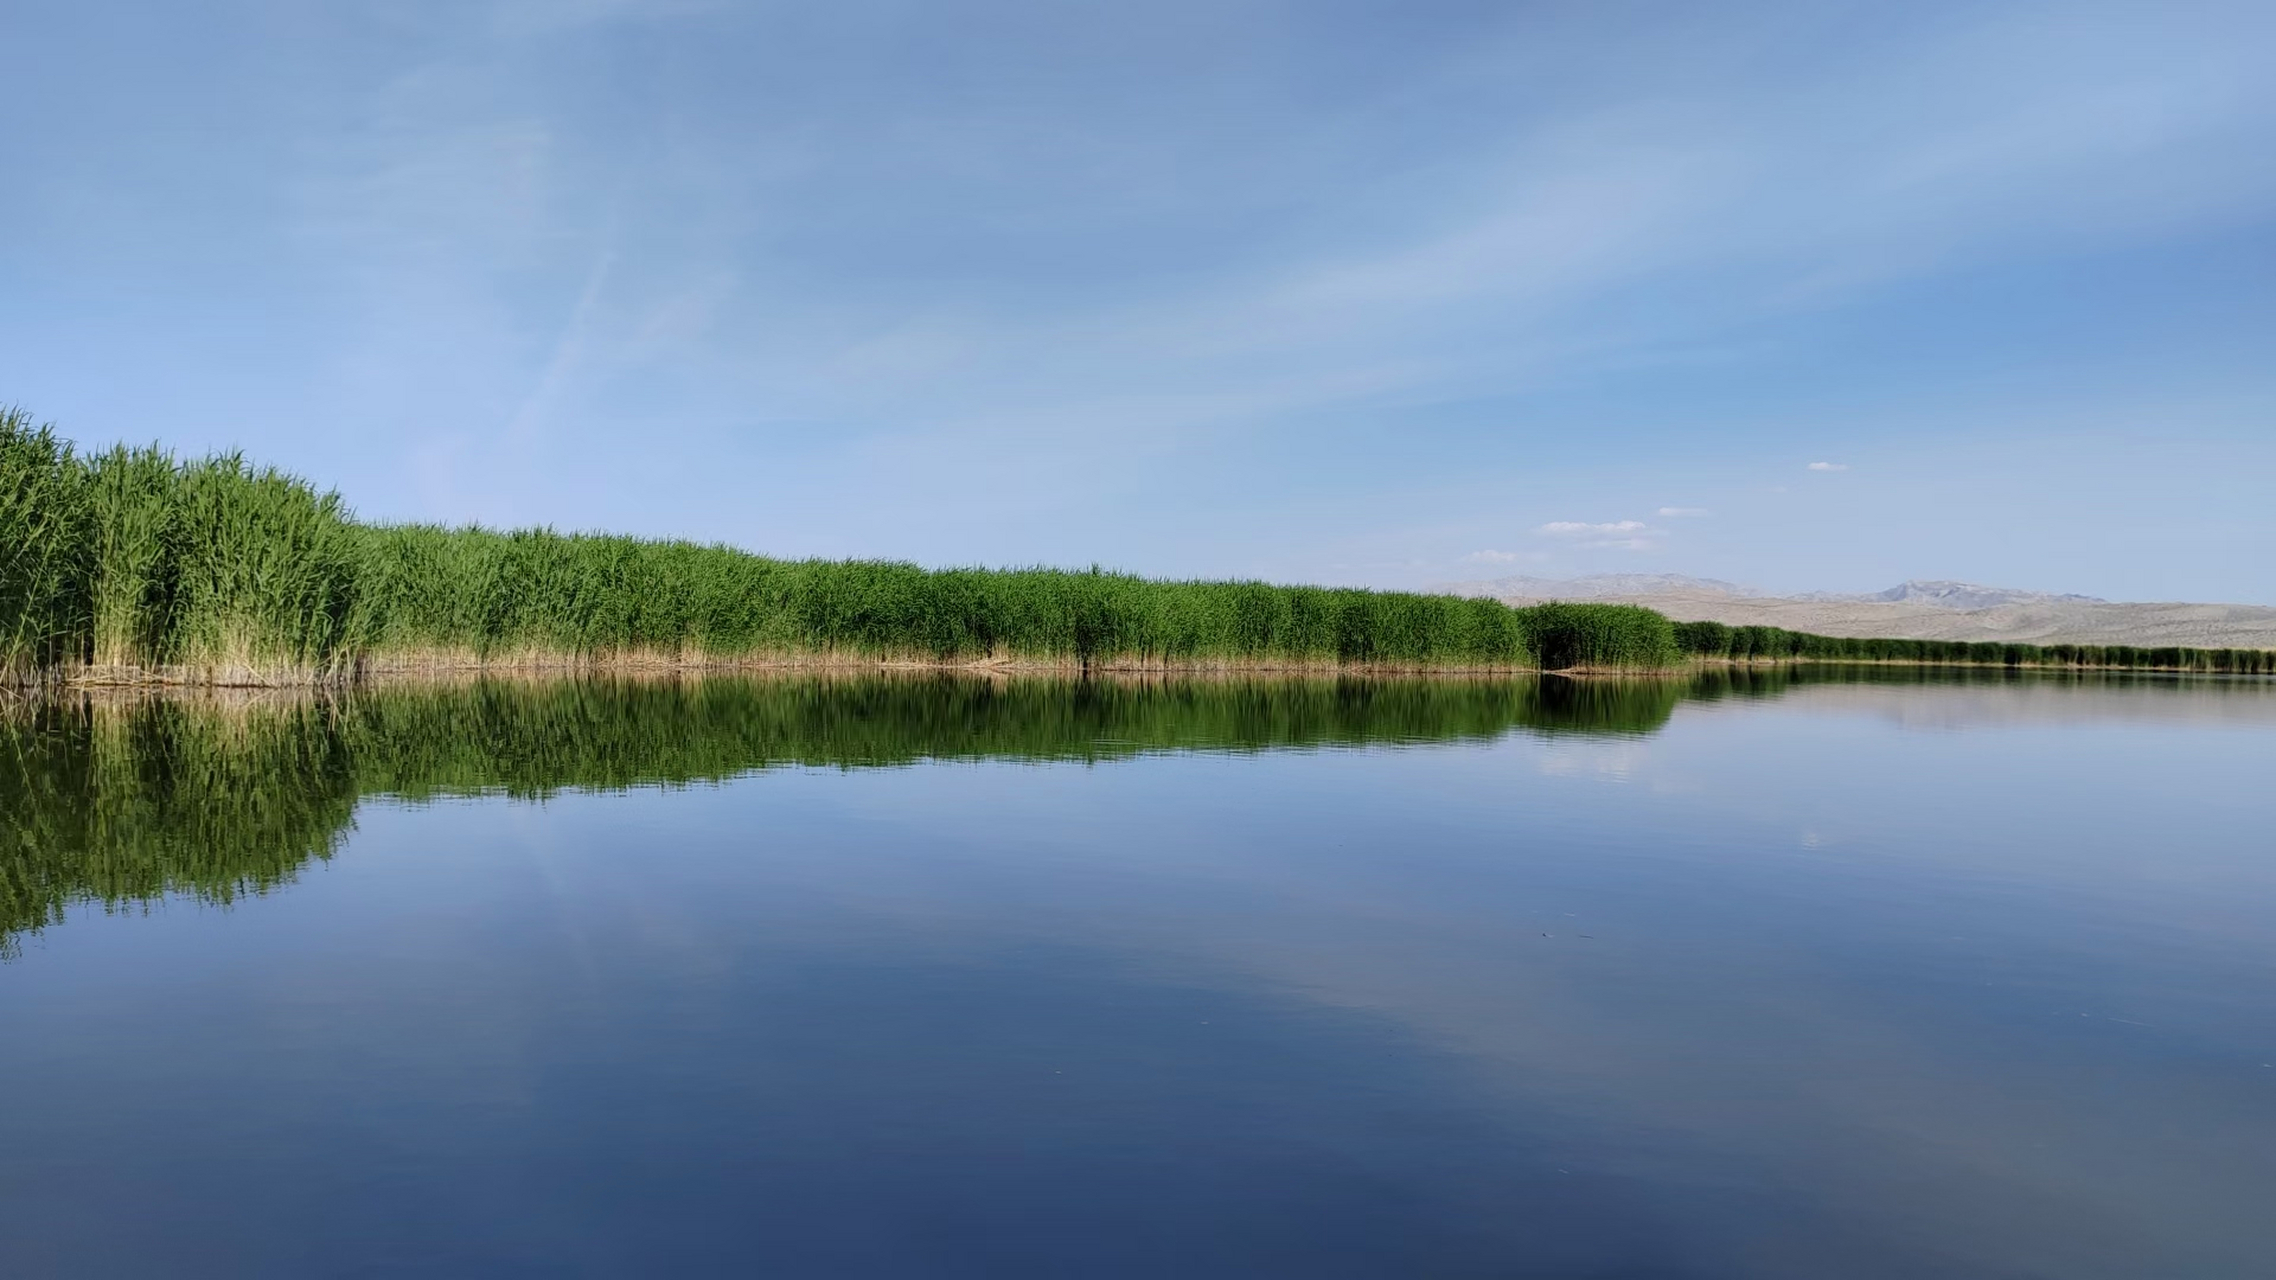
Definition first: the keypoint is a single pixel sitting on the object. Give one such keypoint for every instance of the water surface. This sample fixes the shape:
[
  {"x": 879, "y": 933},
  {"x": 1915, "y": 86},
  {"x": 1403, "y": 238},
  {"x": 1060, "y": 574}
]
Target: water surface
[{"x": 1867, "y": 973}]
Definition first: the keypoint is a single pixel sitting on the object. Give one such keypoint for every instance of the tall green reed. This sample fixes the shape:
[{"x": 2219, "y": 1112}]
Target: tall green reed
[
  {"x": 133, "y": 500},
  {"x": 134, "y": 559},
  {"x": 265, "y": 571},
  {"x": 43, "y": 543}
]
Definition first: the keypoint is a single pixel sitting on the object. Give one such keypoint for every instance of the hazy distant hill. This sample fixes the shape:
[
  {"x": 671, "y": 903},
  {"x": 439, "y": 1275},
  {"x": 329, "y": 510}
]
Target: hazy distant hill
[
  {"x": 1923, "y": 610},
  {"x": 1599, "y": 586},
  {"x": 1953, "y": 595}
]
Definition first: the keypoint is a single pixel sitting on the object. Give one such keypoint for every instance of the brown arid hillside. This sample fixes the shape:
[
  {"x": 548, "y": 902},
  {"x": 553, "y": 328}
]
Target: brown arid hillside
[{"x": 1914, "y": 610}]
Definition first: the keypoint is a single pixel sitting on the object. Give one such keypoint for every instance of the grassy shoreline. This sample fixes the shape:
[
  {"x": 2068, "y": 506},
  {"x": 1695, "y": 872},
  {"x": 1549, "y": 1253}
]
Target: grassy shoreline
[
  {"x": 383, "y": 668},
  {"x": 133, "y": 567},
  {"x": 386, "y": 671},
  {"x": 1718, "y": 642}
]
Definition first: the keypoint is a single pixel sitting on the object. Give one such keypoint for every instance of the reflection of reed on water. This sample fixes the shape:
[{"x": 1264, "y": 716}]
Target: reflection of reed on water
[
  {"x": 123, "y": 803},
  {"x": 121, "y": 799}
]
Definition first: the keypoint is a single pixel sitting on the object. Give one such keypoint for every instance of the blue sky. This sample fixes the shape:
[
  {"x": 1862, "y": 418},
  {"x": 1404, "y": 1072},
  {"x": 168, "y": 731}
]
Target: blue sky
[{"x": 1376, "y": 293}]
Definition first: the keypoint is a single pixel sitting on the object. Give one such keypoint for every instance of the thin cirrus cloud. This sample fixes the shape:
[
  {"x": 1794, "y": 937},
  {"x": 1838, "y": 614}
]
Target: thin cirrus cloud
[
  {"x": 1628, "y": 535},
  {"x": 1829, "y": 466},
  {"x": 1582, "y": 529},
  {"x": 1369, "y": 209}
]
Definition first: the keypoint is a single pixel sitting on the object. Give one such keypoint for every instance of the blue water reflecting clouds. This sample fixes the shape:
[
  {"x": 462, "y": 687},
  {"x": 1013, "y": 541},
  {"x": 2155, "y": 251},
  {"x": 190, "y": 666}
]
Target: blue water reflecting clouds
[{"x": 1838, "y": 974}]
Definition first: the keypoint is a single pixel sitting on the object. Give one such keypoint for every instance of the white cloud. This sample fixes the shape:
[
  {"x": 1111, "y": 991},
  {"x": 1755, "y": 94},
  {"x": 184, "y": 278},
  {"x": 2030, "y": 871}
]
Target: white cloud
[
  {"x": 1684, "y": 512},
  {"x": 1829, "y": 466},
  {"x": 1496, "y": 557},
  {"x": 1624, "y": 535},
  {"x": 1580, "y": 529}
]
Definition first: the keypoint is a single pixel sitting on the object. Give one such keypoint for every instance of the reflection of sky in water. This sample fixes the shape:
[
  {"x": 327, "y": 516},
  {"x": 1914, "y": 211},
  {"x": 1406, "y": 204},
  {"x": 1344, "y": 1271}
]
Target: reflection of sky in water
[{"x": 1787, "y": 989}]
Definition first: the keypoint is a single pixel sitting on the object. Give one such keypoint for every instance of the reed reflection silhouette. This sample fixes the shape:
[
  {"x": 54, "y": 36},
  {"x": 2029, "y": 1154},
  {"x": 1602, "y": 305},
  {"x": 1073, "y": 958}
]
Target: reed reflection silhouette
[
  {"x": 120, "y": 802},
  {"x": 123, "y": 804}
]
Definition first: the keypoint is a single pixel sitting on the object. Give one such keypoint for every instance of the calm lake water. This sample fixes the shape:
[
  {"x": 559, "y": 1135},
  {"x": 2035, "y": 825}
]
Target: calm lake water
[{"x": 1864, "y": 974}]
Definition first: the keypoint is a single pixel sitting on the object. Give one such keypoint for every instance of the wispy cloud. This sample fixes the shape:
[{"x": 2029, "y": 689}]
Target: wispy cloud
[
  {"x": 551, "y": 17},
  {"x": 1625, "y": 535},
  {"x": 568, "y": 353},
  {"x": 839, "y": 262},
  {"x": 1581, "y": 529}
]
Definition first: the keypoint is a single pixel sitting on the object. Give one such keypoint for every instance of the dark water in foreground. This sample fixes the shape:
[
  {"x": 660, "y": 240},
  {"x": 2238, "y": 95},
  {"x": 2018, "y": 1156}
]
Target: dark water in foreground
[{"x": 1875, "y": 974}]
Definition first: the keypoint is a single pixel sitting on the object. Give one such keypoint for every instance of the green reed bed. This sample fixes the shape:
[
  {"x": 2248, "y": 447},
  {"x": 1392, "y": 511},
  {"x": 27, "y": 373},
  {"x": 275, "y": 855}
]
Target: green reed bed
[
  {"x": 499, "y": 595},
  {"x": 133, "y": 563},
  {"x": 1714, "y": 640}
]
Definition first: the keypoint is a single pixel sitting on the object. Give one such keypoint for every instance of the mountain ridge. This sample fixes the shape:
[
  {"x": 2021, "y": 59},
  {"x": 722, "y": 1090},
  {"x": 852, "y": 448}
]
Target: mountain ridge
[
  {"x": 1917, "y": 609},
  {"x": 1944, "y": 592}
]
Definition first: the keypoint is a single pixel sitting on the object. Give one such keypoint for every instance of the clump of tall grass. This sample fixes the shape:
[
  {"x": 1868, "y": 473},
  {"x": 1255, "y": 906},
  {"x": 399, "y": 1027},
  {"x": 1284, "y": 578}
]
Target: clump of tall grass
[
  {"x": 131, "y": 498},
  {"x": 264, "y": 571},
  {"x": 134, "y": 560},
  {"x": 43, "y": 541},
  {"x": 1592, "y": 635}
]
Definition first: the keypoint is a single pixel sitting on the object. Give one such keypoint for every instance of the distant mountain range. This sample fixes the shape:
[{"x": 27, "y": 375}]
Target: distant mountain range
[
  {"x": 1926, "y": 609},
  {"x": 1598, "y": 586},
  {"x": 1956, "y": 595},
  {"x": 1603, "y": 586}
]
